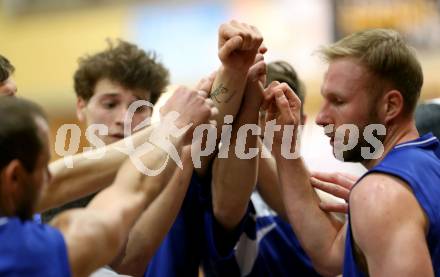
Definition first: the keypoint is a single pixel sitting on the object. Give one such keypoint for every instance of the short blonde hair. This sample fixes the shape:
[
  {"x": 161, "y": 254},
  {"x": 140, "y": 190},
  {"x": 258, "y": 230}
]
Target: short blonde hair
[{"x": 387, "y": 56}]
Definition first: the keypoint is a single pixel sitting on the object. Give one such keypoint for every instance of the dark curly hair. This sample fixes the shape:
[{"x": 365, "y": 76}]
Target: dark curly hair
[
  {"x": 6, "y": 69},
  {"x": 124, "y": 63}
]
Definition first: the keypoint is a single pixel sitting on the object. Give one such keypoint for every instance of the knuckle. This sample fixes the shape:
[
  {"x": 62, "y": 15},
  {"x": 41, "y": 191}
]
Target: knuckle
[{"x": 257, "y": 39}]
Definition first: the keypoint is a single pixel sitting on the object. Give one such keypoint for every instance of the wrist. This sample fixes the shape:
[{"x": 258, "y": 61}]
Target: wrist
[
  {"x": 253, "y": 95},
  {"x": 284, "y": 152},
  {"x": 233, "y": 72}
]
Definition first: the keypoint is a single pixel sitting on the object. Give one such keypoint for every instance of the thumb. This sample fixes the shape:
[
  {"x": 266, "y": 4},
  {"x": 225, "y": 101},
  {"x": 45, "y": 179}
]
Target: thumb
[{"x": 257, "y": 71}]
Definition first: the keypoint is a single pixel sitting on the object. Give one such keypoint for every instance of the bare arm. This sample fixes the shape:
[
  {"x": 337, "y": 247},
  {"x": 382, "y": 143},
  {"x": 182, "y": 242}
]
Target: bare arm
[
  {"x": 144, "y": 240},
  {"x": 238, "y": 44},
  {"x": 390, "y": 227},
  {"x": 95, "y": 235},
  {"x": 336, "y": 186},
  {"x": 267, "y": 184},
  {"x": 87, "y": 175},
  {"x": 321, "y": 236},
  {"x": 234, "y": 177}
]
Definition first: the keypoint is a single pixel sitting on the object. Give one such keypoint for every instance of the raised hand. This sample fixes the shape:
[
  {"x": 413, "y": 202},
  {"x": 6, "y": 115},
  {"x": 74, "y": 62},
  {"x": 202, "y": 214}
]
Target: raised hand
[
  {"x": 187, "y": 107},
  {"x": 336, "y": 184},
  {"x": 254, "y": 89},
  {"x": 238, "y": 44},
  {"x": 257, "y": 72},
  {"x": 283, "y": 105}
]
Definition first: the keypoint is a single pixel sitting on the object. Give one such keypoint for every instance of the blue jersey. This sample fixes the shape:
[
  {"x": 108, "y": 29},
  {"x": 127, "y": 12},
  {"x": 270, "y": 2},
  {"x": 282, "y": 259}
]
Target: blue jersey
[
  {"x": 31, "y": 249},
  {"x": 264, "y": 245},
  {"x": 418, "y": 164},
  {"x": 180, "y": 252}
]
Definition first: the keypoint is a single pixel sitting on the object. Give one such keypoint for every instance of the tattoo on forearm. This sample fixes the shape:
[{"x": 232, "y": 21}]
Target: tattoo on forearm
[{"x": 217, "y": 93}]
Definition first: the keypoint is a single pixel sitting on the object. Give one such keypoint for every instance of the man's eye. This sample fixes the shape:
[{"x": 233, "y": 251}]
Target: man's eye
[
  {"x": 338, "y": 101},
  {"x": 109, "y": 105}
]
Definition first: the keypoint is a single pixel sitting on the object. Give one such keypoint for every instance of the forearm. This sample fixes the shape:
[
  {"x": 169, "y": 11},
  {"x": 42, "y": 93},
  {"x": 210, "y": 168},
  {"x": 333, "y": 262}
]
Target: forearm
[
  {"x": 136, "y": 180},
  {"x": 267, "y": 184},
  {"x": 317, "y": 231},
  {"x": 143, "y": 240},
  {"x": 131, "y": 184},
  {"x": 113, "y": 212},
  {"x": 87, "y": 175},
  {"x": 227, "y": 93},
  {"x": 234, "y": 178}
]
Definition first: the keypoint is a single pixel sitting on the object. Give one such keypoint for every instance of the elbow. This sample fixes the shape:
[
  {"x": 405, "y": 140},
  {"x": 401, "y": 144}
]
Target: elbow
[
  {"x": 137, "y": 253},
  {"x": 328, "y": 272},
  {"x": 228, "y": 216},
  {"x": 326, "y": 267},
  {"x": 135, "y": 268},
  {"x": 229, "y": 207}
]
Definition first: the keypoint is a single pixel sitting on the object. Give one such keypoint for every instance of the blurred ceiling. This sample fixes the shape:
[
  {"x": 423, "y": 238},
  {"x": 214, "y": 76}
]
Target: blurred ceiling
[{"x": 25, "y": 7}]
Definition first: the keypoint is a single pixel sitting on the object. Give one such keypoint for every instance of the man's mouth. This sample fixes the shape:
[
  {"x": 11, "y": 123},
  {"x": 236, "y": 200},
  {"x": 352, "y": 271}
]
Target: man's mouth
[
  {"x": 331, "y": 136},
  {"x": 117, "y": 136}
]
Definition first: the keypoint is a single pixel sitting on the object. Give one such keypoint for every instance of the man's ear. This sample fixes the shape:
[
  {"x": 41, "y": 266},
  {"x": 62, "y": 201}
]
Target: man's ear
[
  {"x": 81, "y": 109},
  {"x": 11, "y": 186},
  {"x": 392, "y": 105}
]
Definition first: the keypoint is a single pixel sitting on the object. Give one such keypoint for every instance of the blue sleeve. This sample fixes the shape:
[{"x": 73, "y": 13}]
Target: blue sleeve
[
  {"x": 40, "y": 249},
  {"x": 60, "y": 260}
]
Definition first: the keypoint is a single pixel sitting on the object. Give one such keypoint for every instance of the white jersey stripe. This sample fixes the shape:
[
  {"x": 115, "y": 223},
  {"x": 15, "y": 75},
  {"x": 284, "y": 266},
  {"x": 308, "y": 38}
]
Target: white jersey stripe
[
  {"x": 3, "y": 220},
  {"x": 415, "y": 143}
]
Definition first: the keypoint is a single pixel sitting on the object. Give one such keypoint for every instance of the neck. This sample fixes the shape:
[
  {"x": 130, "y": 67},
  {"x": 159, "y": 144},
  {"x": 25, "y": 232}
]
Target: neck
[
  {"x": 398, "y": 132},
  {"x": 10, "y": 209}
]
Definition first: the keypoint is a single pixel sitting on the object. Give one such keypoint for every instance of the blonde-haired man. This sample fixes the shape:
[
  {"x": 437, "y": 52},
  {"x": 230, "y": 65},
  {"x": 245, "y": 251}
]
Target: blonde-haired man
[{"x": 373, "y": 77}]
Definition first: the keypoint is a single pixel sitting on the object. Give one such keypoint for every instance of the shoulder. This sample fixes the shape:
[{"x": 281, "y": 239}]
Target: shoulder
[
  {"x": 380, "y": 204},
  {"x": 378, "y": 194}
]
